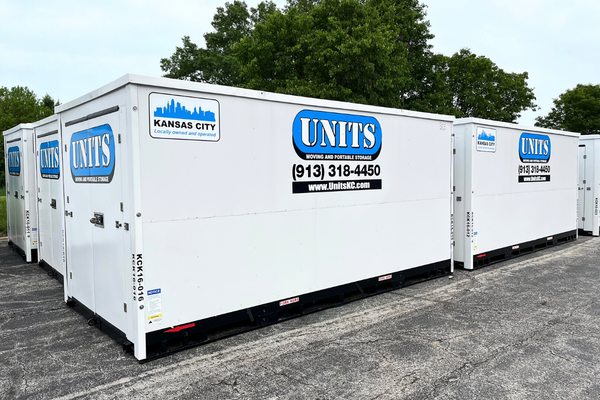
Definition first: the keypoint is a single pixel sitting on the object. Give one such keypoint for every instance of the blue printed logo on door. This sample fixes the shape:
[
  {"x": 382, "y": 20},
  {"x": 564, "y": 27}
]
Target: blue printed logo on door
[
  {"x": 92, "y": 155},
  {"x": 49, "y": 160},
  {"x": 13, "y": 158}
]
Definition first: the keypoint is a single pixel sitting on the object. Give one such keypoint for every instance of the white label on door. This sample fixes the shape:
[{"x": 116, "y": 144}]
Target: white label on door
[{"x": 154, "y": 306}]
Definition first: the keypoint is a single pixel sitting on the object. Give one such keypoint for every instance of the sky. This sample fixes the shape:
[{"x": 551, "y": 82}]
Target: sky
[{"x": 68, "y": 48}]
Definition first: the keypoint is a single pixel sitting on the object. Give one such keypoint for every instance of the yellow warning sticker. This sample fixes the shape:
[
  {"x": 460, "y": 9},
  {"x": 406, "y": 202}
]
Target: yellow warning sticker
[{"x": 155, "y": 316}]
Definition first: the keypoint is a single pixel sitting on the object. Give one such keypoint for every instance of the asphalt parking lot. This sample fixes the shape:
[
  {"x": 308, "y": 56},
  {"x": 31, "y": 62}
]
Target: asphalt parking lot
[{"x": 528, "y": 328}]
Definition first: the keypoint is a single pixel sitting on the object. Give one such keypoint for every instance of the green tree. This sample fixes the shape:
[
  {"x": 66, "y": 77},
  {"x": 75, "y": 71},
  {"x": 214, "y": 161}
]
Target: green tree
[
  {"x": 467, "y": 85},
  {"x": 20, "y": 105},
  {"x": 363, "y": 52},
  {"x": 215, "y": 63},
  {"x": 576, "y": 110}
]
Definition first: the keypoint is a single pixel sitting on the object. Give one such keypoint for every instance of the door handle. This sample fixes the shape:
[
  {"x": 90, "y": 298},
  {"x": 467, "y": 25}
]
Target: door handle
[{"x": 98, "y": 220}]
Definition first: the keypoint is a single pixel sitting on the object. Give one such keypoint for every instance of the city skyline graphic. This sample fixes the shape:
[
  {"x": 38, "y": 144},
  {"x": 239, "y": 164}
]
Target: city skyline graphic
[
  {"x": 177, "y": 111},
  {"x": 486, "y": 136}
]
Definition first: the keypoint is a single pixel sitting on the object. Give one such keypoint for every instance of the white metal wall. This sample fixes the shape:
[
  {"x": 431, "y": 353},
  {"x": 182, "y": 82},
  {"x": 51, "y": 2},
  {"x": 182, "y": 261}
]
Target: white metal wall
[
  {"x": 223, "y": 230},
  {"x": 589, "y": 193},
  {"x": 507, "y": 212}
]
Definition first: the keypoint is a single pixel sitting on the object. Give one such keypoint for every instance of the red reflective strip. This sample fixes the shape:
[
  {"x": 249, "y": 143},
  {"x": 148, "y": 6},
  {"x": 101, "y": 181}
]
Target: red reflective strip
[
  {"x": 181, "y": 327},
  {"x": 481, "y": 255}
]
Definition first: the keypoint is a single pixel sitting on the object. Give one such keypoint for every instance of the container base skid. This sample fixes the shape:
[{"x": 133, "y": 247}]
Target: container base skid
[
  {"x": 588, "y": 233},
  {"x": 21, "y": 252},
  {"x": 99, "y": 322},
  {"x": 196, "y": 333},
  {"x": 51, "y": 271},
  {"x": 494, "y": 256}
]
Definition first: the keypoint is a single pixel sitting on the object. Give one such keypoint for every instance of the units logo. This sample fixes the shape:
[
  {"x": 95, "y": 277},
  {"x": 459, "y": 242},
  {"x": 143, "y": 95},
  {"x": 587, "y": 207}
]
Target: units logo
[
  {"x": 486, "y": 140},
  {"x": 534, "y": 148},
  {"x": 49, "y": 160},
  {"x": 181, "y": 117},
  {"x": 319, "y": 135},
  {"x": 13, "y": 158},
  {"x": 93, "y": 155}
]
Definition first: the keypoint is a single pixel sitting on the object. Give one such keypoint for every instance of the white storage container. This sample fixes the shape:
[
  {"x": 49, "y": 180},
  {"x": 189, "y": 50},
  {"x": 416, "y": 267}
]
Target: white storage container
[
  {"x": 50, "y": 208},
  {"x": 516, "y": 190},
  {"x": 19, "y": 167},
  {"x": 589, "y": 184},
  {"x": 194, "y": 207}
]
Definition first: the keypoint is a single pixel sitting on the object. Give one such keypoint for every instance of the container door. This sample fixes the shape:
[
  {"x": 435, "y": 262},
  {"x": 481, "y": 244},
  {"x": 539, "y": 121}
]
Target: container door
[
  {"x": 78, "y": 230},
  {"x": 94, "y": 238},
  {"x": 581, "y": 188},
  {"x": 107, "y": 224},
  {"x": 15, "y": 192}
]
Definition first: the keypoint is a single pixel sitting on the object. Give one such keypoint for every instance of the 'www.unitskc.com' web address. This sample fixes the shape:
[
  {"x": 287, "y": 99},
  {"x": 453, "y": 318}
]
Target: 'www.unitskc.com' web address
[{"x": 323, "y": 187}]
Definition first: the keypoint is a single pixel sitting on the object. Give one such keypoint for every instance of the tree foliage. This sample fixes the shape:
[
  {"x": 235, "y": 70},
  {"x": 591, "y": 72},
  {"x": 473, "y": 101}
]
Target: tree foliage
[
  {"x": 215, "y": 63},
  {"x": 337, "y": 49},
  {"x": 20, "y": 105},
  {"x": 576, "y": 110},
  {"x": 365, "y": 51},
  {"x": 467, "y": 85}
]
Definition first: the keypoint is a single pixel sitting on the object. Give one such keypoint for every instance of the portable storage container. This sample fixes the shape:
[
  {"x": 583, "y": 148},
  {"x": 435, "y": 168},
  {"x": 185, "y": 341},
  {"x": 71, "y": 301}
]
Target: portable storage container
[
  {"x": 50, "y": 208},
  {"x": 193, "y": 208},
  {"x": 589, "y": 184},
  {"x": 19, "y": 162},
  {"x": 516, "y": 190}
]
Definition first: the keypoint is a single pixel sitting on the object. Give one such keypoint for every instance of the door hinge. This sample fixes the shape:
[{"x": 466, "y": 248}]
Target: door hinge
[
  {"x": 69, "y": 214},
  {"x": 453, "y": 151},
  {"x": 126, "y": 226},
  {"x": 119, "y": 138},
  {"x": 125, "y": 307},
  {"x": 584, "y": 181},
  {"x": 118, "y": 225},
  {"x": 583, "y": 218},
  {"x": 121, "y": 206},
  {"x": 584, "y": 156}
]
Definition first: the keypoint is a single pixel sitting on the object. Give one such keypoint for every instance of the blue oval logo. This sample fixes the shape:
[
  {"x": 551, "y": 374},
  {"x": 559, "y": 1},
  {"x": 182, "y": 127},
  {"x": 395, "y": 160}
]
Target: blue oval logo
[
  {"x": 319, "y": 135},
  {"x": 534, "y": 148},
  {"x": 93, "y": 155},
  {"x": 49, "y": 160},
  {"x": 13, "y": 158}
]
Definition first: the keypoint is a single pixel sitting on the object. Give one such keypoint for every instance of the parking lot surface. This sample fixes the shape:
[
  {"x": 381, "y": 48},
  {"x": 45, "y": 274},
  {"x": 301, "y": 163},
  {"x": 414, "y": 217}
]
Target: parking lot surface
[{"x": 527, "y": 328}]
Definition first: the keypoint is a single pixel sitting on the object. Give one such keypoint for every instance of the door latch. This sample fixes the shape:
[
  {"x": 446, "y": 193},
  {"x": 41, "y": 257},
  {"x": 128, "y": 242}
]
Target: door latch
[{"x": 98, "y": 220}]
